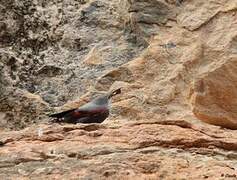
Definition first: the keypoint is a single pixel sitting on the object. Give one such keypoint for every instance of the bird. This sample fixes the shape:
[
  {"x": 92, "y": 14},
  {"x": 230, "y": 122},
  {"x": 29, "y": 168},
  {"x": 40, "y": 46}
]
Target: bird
[{"x": 95, "y": 111}]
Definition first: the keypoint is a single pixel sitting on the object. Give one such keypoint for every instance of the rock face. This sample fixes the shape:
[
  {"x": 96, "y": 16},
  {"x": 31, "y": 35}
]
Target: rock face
[
  {"x": 57, "y": 49},
  {"x": 175, "y": 60},
  {"x": 215, "y": 95},
  {"x": 143, "y": 150}
]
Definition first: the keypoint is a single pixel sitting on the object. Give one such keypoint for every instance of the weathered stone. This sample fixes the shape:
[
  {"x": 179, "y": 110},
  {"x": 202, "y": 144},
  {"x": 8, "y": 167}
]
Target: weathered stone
[
  {"x": 45, "y": 46},
  {"x": 94, "y": 57},
  {"x": 193, "y": 18},
  {"x": 145, "y": 149},
  {"x": 143, "y": 17},
  {"x": 63, "y": 54},
  {"x": 120, "y": 74},
  {"x": 214, "y": 96}
]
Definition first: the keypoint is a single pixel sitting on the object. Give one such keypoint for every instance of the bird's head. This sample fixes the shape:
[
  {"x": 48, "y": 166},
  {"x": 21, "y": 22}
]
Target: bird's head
[
  {"x": 114, "y": 92},
  {"x": 105, "y": 99}
]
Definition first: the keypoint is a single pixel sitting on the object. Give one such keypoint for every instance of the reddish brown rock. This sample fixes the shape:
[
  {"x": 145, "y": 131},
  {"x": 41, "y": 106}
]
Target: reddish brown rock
[
  {"x": 155, "y": 149},
  {"x": 214, "y": 96}
]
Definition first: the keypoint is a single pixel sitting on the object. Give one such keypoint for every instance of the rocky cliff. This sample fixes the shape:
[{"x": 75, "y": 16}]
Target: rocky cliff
[{"x": 176, "y": 62}]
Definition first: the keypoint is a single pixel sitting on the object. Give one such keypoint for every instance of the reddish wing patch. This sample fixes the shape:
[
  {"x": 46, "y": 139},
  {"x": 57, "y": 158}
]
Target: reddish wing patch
[{"x": 79, "y": 114}]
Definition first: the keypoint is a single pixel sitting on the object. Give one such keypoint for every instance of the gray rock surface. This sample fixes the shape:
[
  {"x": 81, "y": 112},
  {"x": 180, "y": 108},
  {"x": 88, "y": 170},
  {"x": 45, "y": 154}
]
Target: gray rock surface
[{"x": 45, "y": 47}]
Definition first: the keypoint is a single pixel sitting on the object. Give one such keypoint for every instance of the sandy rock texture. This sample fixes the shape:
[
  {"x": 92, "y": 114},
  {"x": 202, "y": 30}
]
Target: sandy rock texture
[
  {"x": 172, "y": 149},
  {"x": 175, "y": 60}
]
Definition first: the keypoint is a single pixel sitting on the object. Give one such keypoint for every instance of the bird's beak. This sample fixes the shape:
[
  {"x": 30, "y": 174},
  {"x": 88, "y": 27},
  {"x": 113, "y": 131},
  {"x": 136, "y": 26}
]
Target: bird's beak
[{"x": 115, "y": 92}]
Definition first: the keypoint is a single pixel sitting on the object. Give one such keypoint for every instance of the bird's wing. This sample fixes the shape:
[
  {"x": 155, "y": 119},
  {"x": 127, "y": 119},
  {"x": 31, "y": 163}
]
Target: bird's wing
[
  {"x": 92, "y": 107},
  {"x": 83, "y": 111},
  {"x": 90, "y": 110},
  {"x": 61, "y": 114},
  {"x": 73, "y": 112}
]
